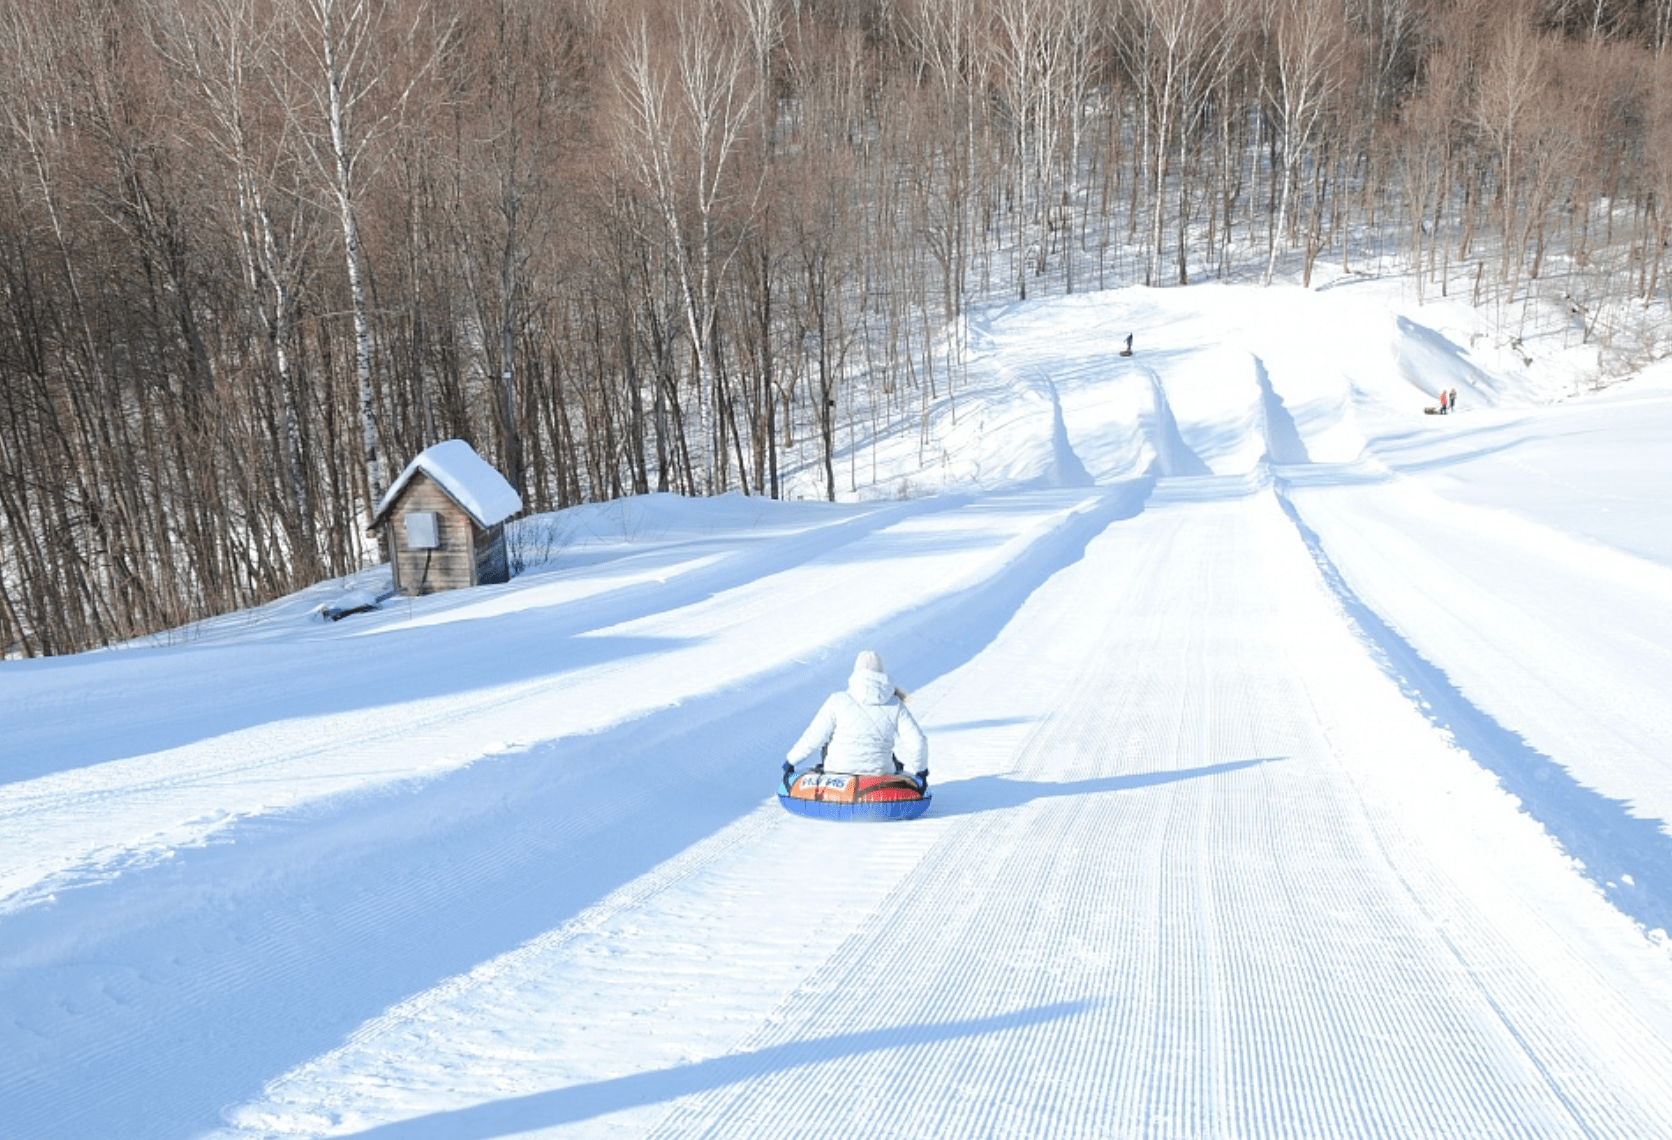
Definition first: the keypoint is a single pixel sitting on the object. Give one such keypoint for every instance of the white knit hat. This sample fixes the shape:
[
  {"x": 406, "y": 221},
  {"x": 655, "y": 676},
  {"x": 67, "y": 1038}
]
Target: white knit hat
[{"x": 870, "y": 662}]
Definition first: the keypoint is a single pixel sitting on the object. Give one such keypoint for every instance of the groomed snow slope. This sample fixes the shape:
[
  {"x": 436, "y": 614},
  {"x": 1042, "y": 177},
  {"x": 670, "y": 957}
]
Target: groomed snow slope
[{"x": 1299, "y": 762}]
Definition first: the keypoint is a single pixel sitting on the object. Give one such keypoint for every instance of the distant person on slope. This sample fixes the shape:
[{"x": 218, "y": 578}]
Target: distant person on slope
[
  {"x": 866, "y": 729},
  {"x": 1451, "y": 401}
]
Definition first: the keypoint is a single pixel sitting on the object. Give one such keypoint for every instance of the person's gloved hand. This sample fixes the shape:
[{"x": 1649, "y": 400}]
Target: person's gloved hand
[{"x": 923, "y": 780}]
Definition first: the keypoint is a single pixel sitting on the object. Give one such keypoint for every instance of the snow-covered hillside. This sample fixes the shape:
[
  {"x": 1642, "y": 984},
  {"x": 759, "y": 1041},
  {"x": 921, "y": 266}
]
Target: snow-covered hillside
[{"x": 1300, "y": 761}]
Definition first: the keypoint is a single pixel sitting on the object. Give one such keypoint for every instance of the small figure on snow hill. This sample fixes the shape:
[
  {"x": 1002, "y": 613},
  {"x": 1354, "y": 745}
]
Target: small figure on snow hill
[
  {"x": 1128, "y": 350},
  {"x": 1451, "y": 401},
  {"x": 866, "y": 728},
  {"x": 1445, "y": 402}
]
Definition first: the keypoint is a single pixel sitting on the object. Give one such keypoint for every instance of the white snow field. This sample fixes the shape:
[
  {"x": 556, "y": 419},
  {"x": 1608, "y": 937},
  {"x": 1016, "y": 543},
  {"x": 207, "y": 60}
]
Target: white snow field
[{"x": 1300, "y": 766}]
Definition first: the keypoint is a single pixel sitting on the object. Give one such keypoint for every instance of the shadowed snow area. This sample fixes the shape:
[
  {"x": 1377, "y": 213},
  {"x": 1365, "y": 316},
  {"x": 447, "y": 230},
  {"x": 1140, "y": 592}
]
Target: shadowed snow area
[{"x": 1299, "y": 766}]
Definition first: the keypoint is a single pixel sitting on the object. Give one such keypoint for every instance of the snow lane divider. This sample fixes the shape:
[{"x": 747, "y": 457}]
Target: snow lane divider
[
  {"x": 1625, "y": 855},
  {"x": 947, "y": 632}
]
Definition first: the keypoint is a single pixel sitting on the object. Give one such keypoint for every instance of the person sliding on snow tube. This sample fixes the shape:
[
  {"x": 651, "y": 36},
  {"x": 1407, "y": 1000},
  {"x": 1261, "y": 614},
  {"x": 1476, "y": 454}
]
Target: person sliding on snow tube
[{"x": 868, "y": 739}]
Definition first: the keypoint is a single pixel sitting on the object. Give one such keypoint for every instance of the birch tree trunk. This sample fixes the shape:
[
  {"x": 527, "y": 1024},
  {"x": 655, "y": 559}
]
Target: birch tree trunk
[{"x": 1307, "y": 45}]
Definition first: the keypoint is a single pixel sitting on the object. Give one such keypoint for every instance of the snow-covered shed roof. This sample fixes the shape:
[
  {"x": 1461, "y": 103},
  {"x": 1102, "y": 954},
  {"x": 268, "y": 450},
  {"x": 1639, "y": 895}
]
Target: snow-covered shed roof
[{"x": 469, "y": 480}]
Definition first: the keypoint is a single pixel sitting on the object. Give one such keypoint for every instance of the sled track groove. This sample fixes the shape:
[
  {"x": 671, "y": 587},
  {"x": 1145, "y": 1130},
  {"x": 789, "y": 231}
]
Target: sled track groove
[
  {"x": 1178, "y": 903},
  {"x": 287, "y": 943},
  {"x": 1222, "y": 946},
  {"x": 241, "y": 972}
]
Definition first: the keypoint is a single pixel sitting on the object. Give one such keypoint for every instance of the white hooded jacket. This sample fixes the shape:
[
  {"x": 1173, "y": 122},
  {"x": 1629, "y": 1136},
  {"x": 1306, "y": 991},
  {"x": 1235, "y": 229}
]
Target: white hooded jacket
[{"x": 866, "y": 727}]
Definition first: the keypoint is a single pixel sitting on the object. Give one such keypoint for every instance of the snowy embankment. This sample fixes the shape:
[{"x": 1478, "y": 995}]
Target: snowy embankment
[{"x": 1299, "y": 766}]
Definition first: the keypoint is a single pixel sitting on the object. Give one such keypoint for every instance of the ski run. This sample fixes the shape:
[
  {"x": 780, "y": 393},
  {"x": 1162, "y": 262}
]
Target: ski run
[{"x": 1300, "y": 766}]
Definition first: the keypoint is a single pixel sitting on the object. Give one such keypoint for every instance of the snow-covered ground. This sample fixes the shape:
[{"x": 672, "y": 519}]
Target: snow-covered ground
[{"x": 1300, "y": 761}]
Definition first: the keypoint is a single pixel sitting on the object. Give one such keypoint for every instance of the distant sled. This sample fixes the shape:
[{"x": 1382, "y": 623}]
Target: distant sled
[{"x": 818, "y": 795}]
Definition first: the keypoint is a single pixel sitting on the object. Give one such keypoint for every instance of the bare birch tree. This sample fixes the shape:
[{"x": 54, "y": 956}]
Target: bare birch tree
[
  {"x": 1510, "y": 90},
  {"x": 683, "y": 122},
  {"x": 1307, "y": 41},
  {"x": 224, "y": 50},
  {"x": 364, "y": 63},
  {"x": 1171, "y": 50}
]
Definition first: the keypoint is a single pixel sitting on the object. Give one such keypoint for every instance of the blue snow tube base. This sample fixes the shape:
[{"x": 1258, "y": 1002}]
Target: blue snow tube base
[
  {"x": 883, "y": 812},
  {"x": 818, "y": 795}
]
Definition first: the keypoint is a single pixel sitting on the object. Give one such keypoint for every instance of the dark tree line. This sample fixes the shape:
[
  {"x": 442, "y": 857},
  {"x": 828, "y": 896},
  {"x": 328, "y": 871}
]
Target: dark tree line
[{"x": 254, "y": 254}]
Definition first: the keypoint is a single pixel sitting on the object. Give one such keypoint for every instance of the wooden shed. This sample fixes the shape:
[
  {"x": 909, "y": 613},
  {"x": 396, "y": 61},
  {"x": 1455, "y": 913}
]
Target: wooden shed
[{"x": 446, "y": 521}]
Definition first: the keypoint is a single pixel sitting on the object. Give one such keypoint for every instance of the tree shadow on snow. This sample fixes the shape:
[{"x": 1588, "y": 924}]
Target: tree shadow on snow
[
  {"x": 996, "y": 793},
  {"x": 937, "y": 729},
  {"x": 584, "y": 1102}
]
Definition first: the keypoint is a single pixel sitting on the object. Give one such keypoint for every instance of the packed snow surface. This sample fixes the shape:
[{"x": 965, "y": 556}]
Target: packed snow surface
[{"x": 1300, "y": 767}]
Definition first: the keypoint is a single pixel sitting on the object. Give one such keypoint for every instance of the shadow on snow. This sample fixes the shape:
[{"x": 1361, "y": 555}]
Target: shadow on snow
[
  {"x": 584, "y": 1102},
  {"x": 1623, "y": 854},
  {"x": 1283, "y": 441},
  {"x": 997, "y": 793},
  {"x": 262, "y": 683},
  {"x": 494, "y": 854}
]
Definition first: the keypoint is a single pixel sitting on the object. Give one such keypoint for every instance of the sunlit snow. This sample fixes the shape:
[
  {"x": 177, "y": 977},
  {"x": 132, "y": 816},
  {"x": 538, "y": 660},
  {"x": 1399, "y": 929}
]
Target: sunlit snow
[{"x": 1300, "y": 760}]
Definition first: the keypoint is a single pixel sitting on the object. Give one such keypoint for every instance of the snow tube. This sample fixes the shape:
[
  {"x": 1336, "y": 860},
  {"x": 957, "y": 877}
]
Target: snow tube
[{"x": 818, "y": 795}]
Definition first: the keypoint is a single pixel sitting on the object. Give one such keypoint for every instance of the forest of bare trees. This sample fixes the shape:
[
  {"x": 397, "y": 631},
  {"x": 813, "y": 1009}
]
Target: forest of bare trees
[{"x": 258, "y": 253}]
